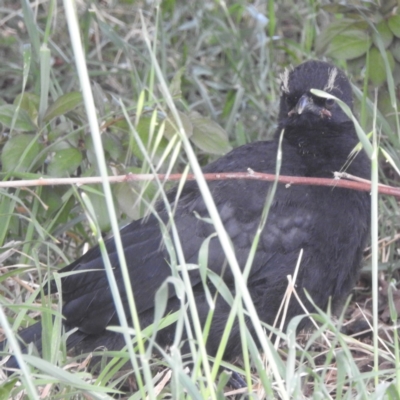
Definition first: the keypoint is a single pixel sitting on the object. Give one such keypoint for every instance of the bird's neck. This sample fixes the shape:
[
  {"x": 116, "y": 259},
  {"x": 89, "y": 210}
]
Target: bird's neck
[{"x": 325, "y": 151}]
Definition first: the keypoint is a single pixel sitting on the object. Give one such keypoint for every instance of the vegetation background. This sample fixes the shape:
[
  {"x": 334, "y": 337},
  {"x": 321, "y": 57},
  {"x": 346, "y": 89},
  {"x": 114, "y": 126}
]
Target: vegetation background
[{"x": 220, "y": 62}]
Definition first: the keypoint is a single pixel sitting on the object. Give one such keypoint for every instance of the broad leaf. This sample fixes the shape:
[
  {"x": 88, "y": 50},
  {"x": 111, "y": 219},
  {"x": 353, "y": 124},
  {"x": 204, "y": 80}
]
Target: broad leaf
[
  {"x": 65, "y": 162},
  {"x": 29, "y": 103},
  {"x": 336, "y": 28},
  {"x": 22, "y": 120},
  {"x": 19, "y": 153},
  {"x": 349, "y": 45},
  {"x": 394, "y": 25},
  {"x": 128, "y": 199},
  {"x": 376, "y": 66},
  {"x": 171, "y": 127},
  {"x": 208, "y": 135},
  {"x": 175, "y": 86},
  {"x": 345, "y": 8},
  {"x": 62, "y": 105},
  {"x": 95, "y": 193},
  {"x": 395, "y": 49},
  {"x": 149, "y": 140},
  {"x": 384, "y": 33},
  {"x": 112, "y": 146}
]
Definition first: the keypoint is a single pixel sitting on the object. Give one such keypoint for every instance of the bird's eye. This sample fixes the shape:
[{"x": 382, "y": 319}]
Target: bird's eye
[
  {"x": 329, "y": 103},
  {"x": 291, "y": 101}
]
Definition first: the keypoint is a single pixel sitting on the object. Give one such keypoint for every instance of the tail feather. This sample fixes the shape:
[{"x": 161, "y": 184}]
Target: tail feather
[{"x": 33, "y": 335}]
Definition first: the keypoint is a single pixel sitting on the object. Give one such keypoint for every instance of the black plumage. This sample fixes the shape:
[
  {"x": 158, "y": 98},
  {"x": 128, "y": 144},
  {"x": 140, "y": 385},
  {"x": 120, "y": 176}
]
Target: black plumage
[{"x": 331, "y": 225}]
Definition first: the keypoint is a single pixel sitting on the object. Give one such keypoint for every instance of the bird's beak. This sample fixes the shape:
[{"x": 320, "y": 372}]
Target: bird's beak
[{"x": 306, "y": 104}]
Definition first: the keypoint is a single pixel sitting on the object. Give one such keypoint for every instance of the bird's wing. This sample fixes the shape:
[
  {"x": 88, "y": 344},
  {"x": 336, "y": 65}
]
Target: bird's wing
[
  {"x": 88, "y": 299},
  {"x": 86, "y": 293}
]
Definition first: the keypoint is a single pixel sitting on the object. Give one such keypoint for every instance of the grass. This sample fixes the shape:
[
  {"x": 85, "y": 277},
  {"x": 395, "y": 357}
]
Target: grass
[{"x": 148, "y": 70}]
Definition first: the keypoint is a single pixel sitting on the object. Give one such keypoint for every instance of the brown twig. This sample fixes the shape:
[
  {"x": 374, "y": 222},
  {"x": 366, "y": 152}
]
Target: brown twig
[{"x": 362, "y": 185}]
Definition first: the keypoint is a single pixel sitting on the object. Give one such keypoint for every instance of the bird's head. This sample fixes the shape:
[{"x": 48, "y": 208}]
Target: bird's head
[{"x": 299, "y": 107}]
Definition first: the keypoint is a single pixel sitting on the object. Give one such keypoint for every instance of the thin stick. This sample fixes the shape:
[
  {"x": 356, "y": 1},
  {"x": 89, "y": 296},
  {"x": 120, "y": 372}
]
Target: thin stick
[{"x": 362, "y": 185}]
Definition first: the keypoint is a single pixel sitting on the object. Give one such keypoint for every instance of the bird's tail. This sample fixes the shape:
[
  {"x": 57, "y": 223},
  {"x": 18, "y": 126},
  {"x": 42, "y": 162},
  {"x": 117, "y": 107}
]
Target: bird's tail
[{"x": 32, "y": 334}]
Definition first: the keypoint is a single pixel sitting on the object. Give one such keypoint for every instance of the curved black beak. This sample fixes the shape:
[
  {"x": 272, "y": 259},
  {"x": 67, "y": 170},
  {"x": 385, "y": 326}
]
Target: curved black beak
[{"x": 306, "y": 104}]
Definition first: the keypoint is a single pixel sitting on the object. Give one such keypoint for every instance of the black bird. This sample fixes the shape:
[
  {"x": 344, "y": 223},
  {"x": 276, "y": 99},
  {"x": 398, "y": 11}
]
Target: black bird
[{"x": 330, "y": 225}]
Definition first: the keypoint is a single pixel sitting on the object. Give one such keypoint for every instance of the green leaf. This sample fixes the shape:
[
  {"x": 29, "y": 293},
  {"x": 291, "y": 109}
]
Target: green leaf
[
  {"x": 167, "y": 6},
  {"x": 175, "y": 86},
  {"x": 128, "y": 199},
  {"x": 345, "y": 9},
  {"x": 22, "y": 121},
  {"x": 30, "y": 103},
  {"x": 336, "y": 28},
  {"x": 51, "y": 196},
  {"x": 394, "y": 25},
  {"x": 349, "y": 45},
  {"x": 376, "y": 66},
  {"x": 384, "y": 33},
  {"x": 110, "y": 33},
  {"x": 208, "y": 135},
  {"x": 6, "y": 209},
  {"x": 62, "y": 375},
  {"x": 392, "y": 392},
  {"x": 64, "y": 162},
  {"x": 19, "y": 153},
  {"x": 395, "y": 49},
  {"x": 64, "y": 211},
  {"x": 171, "y": 127},
  {"x": 111, "y": 146},
  {"x": 99, "y": 205},
  {"x": 65, "y": 103},
  {"x": 133, "y": 198},
  {"x": 6, "y": 389},
  {"x": 144, "y": 130}
]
